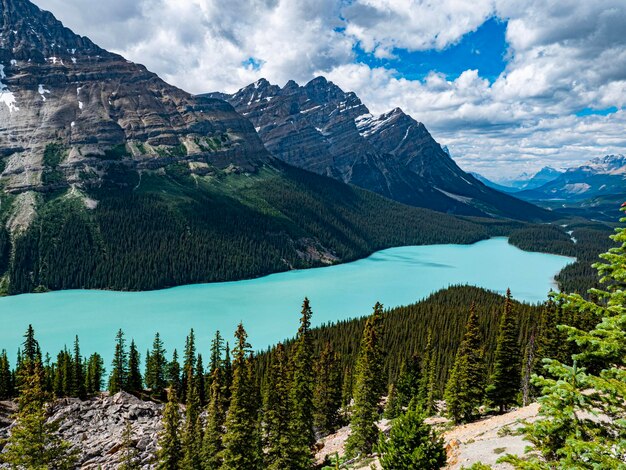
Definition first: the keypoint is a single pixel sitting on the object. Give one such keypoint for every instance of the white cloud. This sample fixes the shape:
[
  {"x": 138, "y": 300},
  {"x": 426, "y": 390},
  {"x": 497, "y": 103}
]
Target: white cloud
[{"x": 564, "y": 56}]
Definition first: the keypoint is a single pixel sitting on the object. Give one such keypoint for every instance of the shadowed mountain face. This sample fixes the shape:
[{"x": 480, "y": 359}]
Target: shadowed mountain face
[
  {"x": 321, "y": 128},
  {"x": 97, "y": 108}
]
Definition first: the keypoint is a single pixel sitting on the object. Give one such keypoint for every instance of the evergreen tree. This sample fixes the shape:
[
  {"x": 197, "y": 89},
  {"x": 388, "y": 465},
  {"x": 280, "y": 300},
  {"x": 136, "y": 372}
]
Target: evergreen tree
[
  {"x": 200, "y": 380},
  {"x": 192, "y": 436},
  {"x": 217, "y": 346},
  {"x": 301, "y": 393},
  {"x": 94, "y": 378},
  {"x": 581, "y": 418},
  {"x": 189, "y": 363},
  {"x": 241, "y": 449},
  {"x": 173, "y": 373},
  {"x": 411, "y": 445},
  {"x": 228, "y": 374},
  {"x": 409, "y": 383},
  {"x": 327, "y": 391},
  {"x": 506, "y": 377},
  {"x": 368, "y": 385},
  {"x": 6, "y": 378},
  {"x": 118, "y": 380},
  {"x": 130, "y": 455},
  {"x": 214, "y": 430},
  {"x": 31, "y": 352},
  {"x": 466, "y": 387},
  {"x": 428, "y": 385},
  {"x": 276, "y": 414},
  {"x": 34, "y": 443},
  {"x": 63, "y": 373},
  {"x": 156, "y": 368},
  {"x": 78, "y": 375},
  {"x": 392, "y": 407},
  {"x": 135, "y": 382},
  {"x": 170, "y": 451}
]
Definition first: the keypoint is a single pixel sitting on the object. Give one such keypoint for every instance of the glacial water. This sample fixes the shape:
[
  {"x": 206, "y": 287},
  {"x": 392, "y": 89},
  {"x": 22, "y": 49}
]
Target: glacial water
[{"x": 269, "y": 307}]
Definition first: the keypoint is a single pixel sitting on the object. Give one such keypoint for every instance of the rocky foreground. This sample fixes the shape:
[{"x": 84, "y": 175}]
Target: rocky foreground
[{"x": 96, "y": 426}]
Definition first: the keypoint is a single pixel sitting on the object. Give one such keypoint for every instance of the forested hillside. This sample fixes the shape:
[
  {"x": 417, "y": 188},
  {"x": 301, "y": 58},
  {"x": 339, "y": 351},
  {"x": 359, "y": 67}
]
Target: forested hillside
[{"x": 158, "y": 230}]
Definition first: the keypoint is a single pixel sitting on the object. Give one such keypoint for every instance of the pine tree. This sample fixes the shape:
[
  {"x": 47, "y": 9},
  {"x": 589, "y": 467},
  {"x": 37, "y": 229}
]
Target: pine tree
[
  {"x": 368, "y": 388},
  {"x": 192, "y": 436},
  {"x": 581, "y": 417},
  {"x": 506, "y": 378},
  {"x": 135, "y": 382},
  {"x": 200, "y": 380},
  {"x": 173, "y": 373},
  {"x": 214, "y": 430},
  {"x": 466, "y": 386},
  {"x": 78, "y": 375},
  {"x": 428, "y": 386},
  {"x": 392, "y": 407},
  {"x": 189, "y": 363},
  {"x": 118, "y": 380},
  {"x": 217, "y": 346},
  {"x": 95, "y": 374},
  {"x": 130, "y": 455},
  {"x": 409, "y": 382},
  {"x": 241, "y": 440},
  {"x": 301, "y": 393},
  {"x": 411, "y": 444},
  {"x": 6, "y": 378},
  {"x": 327, "y": 391},
  {"x": 276, "y": 414},
  {"x": 170, "y": 451},
  {"x": 156, "y": 365},
  {"x": 34, "y": 442}
]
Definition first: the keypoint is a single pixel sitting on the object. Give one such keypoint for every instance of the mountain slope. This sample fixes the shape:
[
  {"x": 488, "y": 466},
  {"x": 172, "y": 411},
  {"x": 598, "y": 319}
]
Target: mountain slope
[
  {"x": 491, "y": 184},
  {"x": 599, "y": 177},
  {"x": 114, "y": 179},
  {"x": 321, "y": 128}
]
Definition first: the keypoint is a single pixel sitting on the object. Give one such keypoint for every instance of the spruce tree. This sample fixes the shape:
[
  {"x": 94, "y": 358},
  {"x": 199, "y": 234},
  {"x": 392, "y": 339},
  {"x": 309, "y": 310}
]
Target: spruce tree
[
  {"x": 130, "y": 455},
  {"x": 135, "y": 382},
  {"x": 63, "y": 372},
  {"x": 392, "y": 407},
  {"x": 156, "y": 368},
  {"x": 241, "y": 440},
  {"x": 6, "y": 378},
  {"x": 506, "y": 378},
  {"x": 34, "y": 442},
  {"x": 170, "y": 451},
  {"x": 192, "y": 436},
  {"x": 301, "y": 393},
  {"x": 173, "y": 373},
  {"x": 583, "y": 404},
  {"x": 411, "y": 445},
  {"x": 95, "y": 374},
  {"x": 466, "y": 386},
  {"x": 200, "y": 380},
  {"x": 189, "y": 363},
  {"x": 214, "y": 430},
  {"x": 327, "y": 391},
  {"x": 118, "y": 380},
  {"x": 217, "y": 346},
  {"x": 78, "y": 376},
  {"x": 276, "y": 414},
  {"x": 428, "y": 385},
  {"x": 368, "y": 388},
  {"x": 409, "y": 384},
  {"x": 228, "y": 374}
]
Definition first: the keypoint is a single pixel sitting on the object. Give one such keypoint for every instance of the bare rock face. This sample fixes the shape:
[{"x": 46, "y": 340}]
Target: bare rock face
[
  {"x": 95, "y": 427},
  {"x": 69, "y": 110},
  {"x": 323, "y": 129}
]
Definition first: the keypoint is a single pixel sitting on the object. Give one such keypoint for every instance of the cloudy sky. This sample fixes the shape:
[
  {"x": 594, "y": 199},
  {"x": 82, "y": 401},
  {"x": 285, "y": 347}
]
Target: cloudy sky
[{"x": 507, "y": 85}]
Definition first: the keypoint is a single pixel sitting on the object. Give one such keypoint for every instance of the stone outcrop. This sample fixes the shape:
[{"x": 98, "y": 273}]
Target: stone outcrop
[{"x": 95, "y": 427}]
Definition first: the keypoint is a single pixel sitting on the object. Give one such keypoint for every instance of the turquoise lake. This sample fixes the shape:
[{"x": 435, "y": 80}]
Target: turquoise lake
[{"x": 270, "y": 306}]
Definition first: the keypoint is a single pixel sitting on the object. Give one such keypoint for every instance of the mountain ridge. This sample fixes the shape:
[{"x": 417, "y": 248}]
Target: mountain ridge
[{"x": 321, "y": 128}]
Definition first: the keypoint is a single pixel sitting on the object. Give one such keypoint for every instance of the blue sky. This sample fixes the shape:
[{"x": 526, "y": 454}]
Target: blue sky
[
  {"x": 484, "y": 50},
  {"x": 509, "y": 86}
]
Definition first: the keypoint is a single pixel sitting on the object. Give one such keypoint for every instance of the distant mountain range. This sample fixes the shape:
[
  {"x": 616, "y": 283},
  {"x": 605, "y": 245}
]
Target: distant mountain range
[
  {"x": 112, "y": 178},
  {"x": 321, "y": 128},
  {"x": 524, "y": 181}
]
